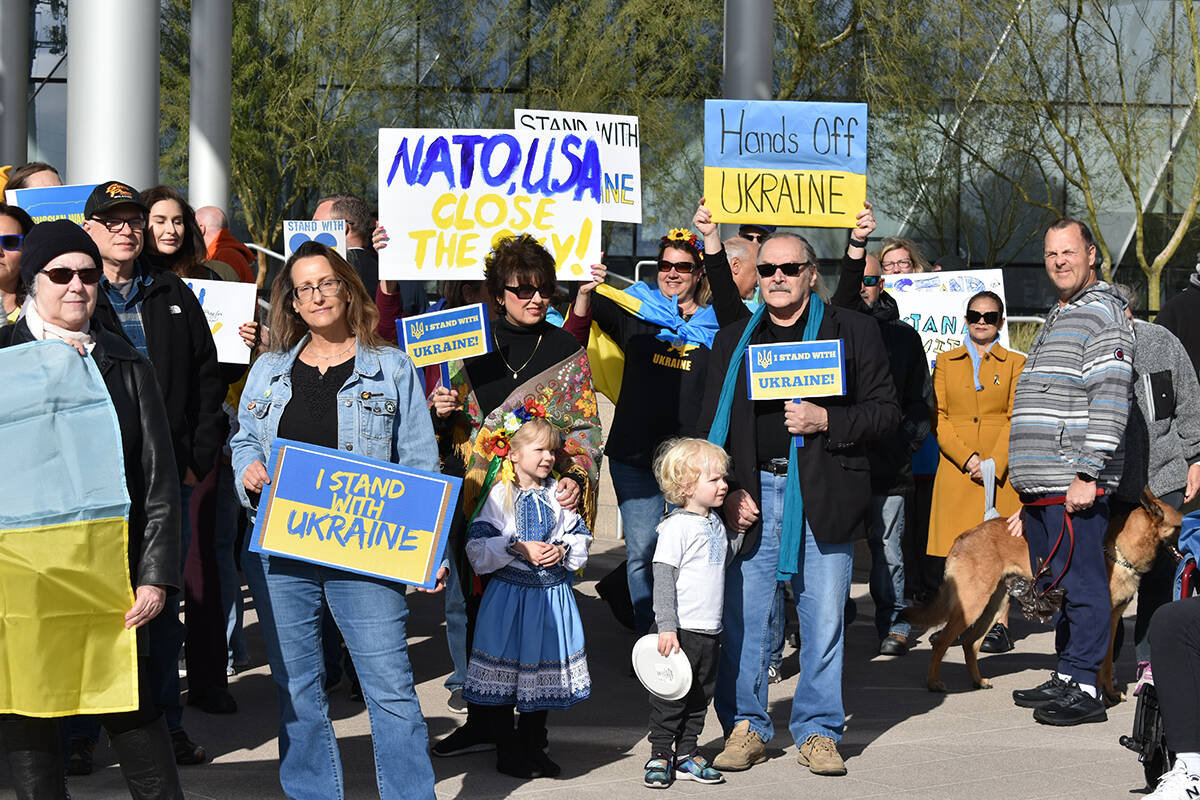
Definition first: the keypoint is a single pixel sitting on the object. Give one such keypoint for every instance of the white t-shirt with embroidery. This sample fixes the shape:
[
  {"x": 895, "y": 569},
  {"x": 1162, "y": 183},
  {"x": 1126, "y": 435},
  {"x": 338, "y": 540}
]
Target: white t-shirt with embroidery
[{"x": 699, "y": 548}]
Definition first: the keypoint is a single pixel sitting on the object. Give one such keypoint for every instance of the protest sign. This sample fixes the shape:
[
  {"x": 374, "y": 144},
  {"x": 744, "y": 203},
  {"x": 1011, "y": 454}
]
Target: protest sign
[
  {"x": 355, "y": 513},
  {"x": 441, "y": 336},
  {"x": 785, "y": 163},
  {"x": 793, "y": 370},
  {"x": 934, "y": 303},
  {"x": 446, "y": 195},
  {"x": 64, "y": 557},
  {"x": 46, "y": 203},
  {"x": 620, "y": 154},
  {"x": 227, "y": 305},
  {"x": 330, "y": 232}
]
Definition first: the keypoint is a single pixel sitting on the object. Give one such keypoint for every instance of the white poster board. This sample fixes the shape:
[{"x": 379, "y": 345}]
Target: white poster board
[
  {"x": 935, "y": 304},
  {"x": 330, "y": 232},
  {"x": 227, "y": 305},
  {"x": 620, "y": 154},
  {"x": 446, "y": 195}
]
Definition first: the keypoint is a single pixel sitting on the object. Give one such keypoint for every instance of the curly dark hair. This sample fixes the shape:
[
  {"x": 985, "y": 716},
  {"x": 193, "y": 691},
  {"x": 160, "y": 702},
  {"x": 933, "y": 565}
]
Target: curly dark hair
[{"x": 515, "y": 260}]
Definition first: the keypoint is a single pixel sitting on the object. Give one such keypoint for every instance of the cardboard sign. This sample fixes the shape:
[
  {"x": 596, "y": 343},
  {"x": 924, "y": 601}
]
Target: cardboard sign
[
  {"x": 935, "y": 304},
  {"x": 227, "y": 306},
  {"x": 793, "y": 370},
  {"x": 441, "y": 336},
  {"x": 446, "y": 195},
  {"x": 785, "y": 163},
  {"x": 330, "y": 232},
  {"x": 46, "y": 203},
  {"x": 620, "y": 154},
  {"x": 356, "y": 514}
]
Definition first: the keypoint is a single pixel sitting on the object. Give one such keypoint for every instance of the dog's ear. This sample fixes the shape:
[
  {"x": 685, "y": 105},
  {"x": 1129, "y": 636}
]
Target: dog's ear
[{"x": 1152, "y": 505}]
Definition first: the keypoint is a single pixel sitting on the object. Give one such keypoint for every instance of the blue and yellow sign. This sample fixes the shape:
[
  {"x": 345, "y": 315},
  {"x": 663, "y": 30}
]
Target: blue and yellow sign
[
  {"x": 441, "y": 336},
  {"x": 794, "y": 370},
  {"x": 356, "y": 514},
  {"x": 785, "y": 163},
  {"x": 44, "y": 203}
]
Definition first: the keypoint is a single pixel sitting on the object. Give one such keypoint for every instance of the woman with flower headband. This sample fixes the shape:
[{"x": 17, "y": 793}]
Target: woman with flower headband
[
  {"x": 535, "y": 366},
  {"x": 664, "y": 332}
]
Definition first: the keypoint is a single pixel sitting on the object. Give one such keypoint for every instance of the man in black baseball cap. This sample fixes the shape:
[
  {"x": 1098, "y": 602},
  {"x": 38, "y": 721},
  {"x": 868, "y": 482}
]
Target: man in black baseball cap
[
  {"x": 110, "y": 195},
  {"x": 755, "y": 232}
]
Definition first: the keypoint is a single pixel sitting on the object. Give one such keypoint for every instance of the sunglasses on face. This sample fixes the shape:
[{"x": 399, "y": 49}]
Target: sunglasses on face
[
  {"x": 63, "y": 275},
  {"x": 791, "y": 269},
  {"x": 11, "y": 241},
  {"x": 988, "y": 317},
  {"x": 871, "y": 280},
  {"x": 682, "y": 267},
  {"x": 526, "y": 291}
]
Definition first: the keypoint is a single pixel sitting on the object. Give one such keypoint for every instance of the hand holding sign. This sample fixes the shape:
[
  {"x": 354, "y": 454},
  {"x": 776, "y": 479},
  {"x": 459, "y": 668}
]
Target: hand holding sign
[{"x": 803, "y": 418}]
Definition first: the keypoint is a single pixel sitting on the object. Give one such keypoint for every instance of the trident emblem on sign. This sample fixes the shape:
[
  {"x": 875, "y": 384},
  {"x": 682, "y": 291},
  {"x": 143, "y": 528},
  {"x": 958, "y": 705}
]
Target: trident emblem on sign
[
  {"x": 765, "y": 358},
  {"x": 418, "y": 329}
]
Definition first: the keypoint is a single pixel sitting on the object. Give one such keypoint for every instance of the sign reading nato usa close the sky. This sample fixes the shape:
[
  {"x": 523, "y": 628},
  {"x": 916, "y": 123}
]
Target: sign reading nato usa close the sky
[{"x": 785, "y": 163}]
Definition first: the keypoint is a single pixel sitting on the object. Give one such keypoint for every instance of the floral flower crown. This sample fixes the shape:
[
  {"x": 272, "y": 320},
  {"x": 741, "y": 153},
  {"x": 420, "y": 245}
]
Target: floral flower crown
[
  {"x": 498, "y": 442},
  {"x": 682, "y": 236}
]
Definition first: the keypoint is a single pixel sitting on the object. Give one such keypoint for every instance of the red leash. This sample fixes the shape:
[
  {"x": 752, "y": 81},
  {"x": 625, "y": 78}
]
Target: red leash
[{"x": 1067, "y": 528}]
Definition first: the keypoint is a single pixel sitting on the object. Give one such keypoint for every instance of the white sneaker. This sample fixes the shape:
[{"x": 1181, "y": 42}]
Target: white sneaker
[{"x": 1178, "y": 784}]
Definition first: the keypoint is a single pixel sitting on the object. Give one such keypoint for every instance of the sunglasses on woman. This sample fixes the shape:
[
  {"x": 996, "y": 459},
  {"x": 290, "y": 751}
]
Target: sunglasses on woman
[
  {"x": 988, "y": 317},
  {"x": 682, "y": 267},
  {"x": 11, "y": 241},
  {"x": 526, "y": 291},
  {"x": 63, "y": 275},
  {"x": 791, "y": 269}
]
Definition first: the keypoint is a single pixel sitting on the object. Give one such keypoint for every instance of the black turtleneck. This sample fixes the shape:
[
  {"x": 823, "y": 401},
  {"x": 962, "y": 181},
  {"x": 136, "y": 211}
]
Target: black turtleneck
[{"x": 493, "y": 381}]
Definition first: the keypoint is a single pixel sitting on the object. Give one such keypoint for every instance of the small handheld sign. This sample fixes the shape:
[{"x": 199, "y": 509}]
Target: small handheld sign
[
  {"x": 329, "y": 232},
  {"x": 355, "y": 513},
  {"x": 443, "y": 336},
  {"x": 796, "y": 370}
]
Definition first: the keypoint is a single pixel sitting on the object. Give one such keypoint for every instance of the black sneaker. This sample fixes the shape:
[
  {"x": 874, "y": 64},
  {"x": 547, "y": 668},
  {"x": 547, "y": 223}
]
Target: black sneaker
[
  {"x": 467, "y": 739},
  {"x": 997, "y": 640},
  {"x": 1038, "y": 696},
  {"x": 1074, "y": 707}
]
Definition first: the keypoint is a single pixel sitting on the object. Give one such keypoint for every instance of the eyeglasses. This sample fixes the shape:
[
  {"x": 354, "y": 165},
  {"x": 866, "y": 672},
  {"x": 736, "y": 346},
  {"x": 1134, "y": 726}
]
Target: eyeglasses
[
  {"x": 526, "y": 291},
  {"x": 64, "y": 275},
  {"x": 871, "y": 280},
  {"x": 791, "y": 269},
  {"x": 328, "y": 288},
  {"x": 11, "y": 241},
  {"x": 988, "y": 317},
  {"x": 682, "y": 267},
  {"x": 115, "y": 224},
  {"x": 899, "y": 265}
]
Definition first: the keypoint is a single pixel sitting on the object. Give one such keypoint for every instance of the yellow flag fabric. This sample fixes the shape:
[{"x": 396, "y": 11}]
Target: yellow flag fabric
[{"x": 606, "y": 357}]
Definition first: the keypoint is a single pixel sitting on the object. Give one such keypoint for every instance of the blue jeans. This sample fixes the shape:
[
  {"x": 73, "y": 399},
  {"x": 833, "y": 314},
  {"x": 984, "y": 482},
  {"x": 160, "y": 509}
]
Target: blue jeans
[
  {"x": 371, "y": 615},
  {"x": 456, "y": 628},
  {"x": 167, "y": 632},
  {"x": 228, "y": 510},
  {"x": 641, "y": 503},
  {"x": 777, "y": 624},
  {"x": 821, "y": 588},
  {"x": 885, "y": 530}
]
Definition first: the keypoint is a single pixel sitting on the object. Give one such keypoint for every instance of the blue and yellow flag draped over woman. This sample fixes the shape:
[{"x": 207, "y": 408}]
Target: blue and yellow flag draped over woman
[{"x": 64, "y": 530}]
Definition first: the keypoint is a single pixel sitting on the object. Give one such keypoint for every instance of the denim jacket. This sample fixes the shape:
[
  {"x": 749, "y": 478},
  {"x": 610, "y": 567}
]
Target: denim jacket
[{"x": 382, "y": 412}]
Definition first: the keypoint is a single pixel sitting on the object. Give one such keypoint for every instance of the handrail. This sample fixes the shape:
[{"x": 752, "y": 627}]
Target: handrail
[{"x": 268, "y": 251}]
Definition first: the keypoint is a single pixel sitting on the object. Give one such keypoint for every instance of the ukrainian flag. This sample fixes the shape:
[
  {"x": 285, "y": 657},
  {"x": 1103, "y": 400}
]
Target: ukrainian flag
[{"x": 64, "y": 568}]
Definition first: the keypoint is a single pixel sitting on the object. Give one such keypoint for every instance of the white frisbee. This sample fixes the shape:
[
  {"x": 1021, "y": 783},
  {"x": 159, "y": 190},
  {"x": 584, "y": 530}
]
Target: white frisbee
[{"x": 669, "y": 678}]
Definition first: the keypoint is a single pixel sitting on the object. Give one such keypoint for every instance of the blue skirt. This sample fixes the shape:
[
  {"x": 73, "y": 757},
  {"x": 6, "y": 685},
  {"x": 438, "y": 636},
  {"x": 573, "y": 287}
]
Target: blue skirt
[{"x": 528, "y": 648}]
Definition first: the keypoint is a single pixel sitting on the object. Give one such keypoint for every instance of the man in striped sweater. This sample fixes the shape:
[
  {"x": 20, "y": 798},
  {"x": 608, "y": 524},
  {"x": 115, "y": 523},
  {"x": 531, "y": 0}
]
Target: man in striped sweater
[{"x": 1066, "y": 456}]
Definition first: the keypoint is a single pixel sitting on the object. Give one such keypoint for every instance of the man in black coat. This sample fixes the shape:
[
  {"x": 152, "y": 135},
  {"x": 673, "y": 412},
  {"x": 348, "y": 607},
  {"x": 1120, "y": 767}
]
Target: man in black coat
[
  {"x": 834, "y": 476},
  {"x": 1181, "y": 316}
]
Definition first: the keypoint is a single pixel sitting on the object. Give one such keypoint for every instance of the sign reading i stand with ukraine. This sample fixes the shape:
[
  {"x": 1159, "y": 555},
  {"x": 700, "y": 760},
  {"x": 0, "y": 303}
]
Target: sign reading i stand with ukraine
[
  {"x": 793, "y": 370},
  {"x": 441, "y": 336},
  {"x": 355, "y": 513}
]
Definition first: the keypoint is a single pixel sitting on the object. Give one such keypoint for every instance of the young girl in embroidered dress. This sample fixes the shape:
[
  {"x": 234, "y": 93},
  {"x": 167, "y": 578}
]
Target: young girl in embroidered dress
[{"x": 528, "y": 649}]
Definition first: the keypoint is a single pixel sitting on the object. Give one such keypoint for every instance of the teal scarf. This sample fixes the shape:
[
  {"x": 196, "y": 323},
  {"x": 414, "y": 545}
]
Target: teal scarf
[{"x": 792, "y": 537}]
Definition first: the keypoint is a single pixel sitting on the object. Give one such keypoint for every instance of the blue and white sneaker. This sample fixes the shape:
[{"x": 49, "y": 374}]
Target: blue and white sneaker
[
  {"x": 659, "y": 774},
  {"x": 694, "y": 767}
]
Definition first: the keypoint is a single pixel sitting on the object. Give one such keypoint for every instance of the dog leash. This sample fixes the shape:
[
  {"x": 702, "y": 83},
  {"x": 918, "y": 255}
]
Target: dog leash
[{"x": 1067, "y": 528}]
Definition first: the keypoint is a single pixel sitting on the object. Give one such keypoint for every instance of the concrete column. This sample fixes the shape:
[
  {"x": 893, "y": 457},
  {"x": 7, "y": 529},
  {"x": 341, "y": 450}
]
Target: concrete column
[
  {"x": 211, "y": 99},
  {"x": 14, "y": 80},
  {"x": 112, "y": 92},
  {"x": 749, "y": 49}
]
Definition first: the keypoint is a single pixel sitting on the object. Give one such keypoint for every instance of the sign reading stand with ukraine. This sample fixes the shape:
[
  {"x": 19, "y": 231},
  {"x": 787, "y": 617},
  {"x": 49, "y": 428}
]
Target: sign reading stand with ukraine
[
  {"x": 356, "y": 514},
  {"x": 441, "y": 336},
  {"x": 785, "y": 163},
  {"x": 794, "y": 370}
]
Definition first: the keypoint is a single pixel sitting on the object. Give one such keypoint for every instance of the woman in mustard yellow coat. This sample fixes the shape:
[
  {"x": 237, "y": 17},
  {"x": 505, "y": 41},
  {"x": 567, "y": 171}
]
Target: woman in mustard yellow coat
[{"x": 973, "y": 385}]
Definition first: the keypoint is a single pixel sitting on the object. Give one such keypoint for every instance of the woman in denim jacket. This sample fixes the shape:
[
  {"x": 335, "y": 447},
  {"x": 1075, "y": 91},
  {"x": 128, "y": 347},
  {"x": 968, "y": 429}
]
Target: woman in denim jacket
[{"x": 331, "y": 381}]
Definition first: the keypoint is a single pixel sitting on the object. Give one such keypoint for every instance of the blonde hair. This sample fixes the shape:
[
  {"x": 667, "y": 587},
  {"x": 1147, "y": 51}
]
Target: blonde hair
[
  {"x": 919, "y": 262},
  {"x": 678, "y": 463},
  {"x": 535, "y": 431}
]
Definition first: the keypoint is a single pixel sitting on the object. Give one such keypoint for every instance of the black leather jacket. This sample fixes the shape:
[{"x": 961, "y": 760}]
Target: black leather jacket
[{"x": 150, "y": 471}]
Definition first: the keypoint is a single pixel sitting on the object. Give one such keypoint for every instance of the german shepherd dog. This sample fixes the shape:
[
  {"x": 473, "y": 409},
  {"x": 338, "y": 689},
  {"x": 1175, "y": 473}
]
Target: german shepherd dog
[{"x": 983, "y": 562}]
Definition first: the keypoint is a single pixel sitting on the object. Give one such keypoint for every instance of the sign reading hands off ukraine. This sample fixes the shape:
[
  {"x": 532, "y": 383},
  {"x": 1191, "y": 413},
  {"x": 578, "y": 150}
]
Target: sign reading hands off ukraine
[
  {"x": 356, "y": 514},
  {"x": 785, "y": 163},
  {"x": 446, "y": 195}
]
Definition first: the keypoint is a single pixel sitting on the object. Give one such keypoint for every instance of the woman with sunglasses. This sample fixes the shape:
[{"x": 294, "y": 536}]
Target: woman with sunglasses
[
  {"x": 61, "y": 270},
  {"x": 532, "y": 365},
  {"x": 663, "y": 334},
  {"x": 330, "y": 380},
  {"x": 973, "y": 387},
  {"x": 14, "y": 225}
]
